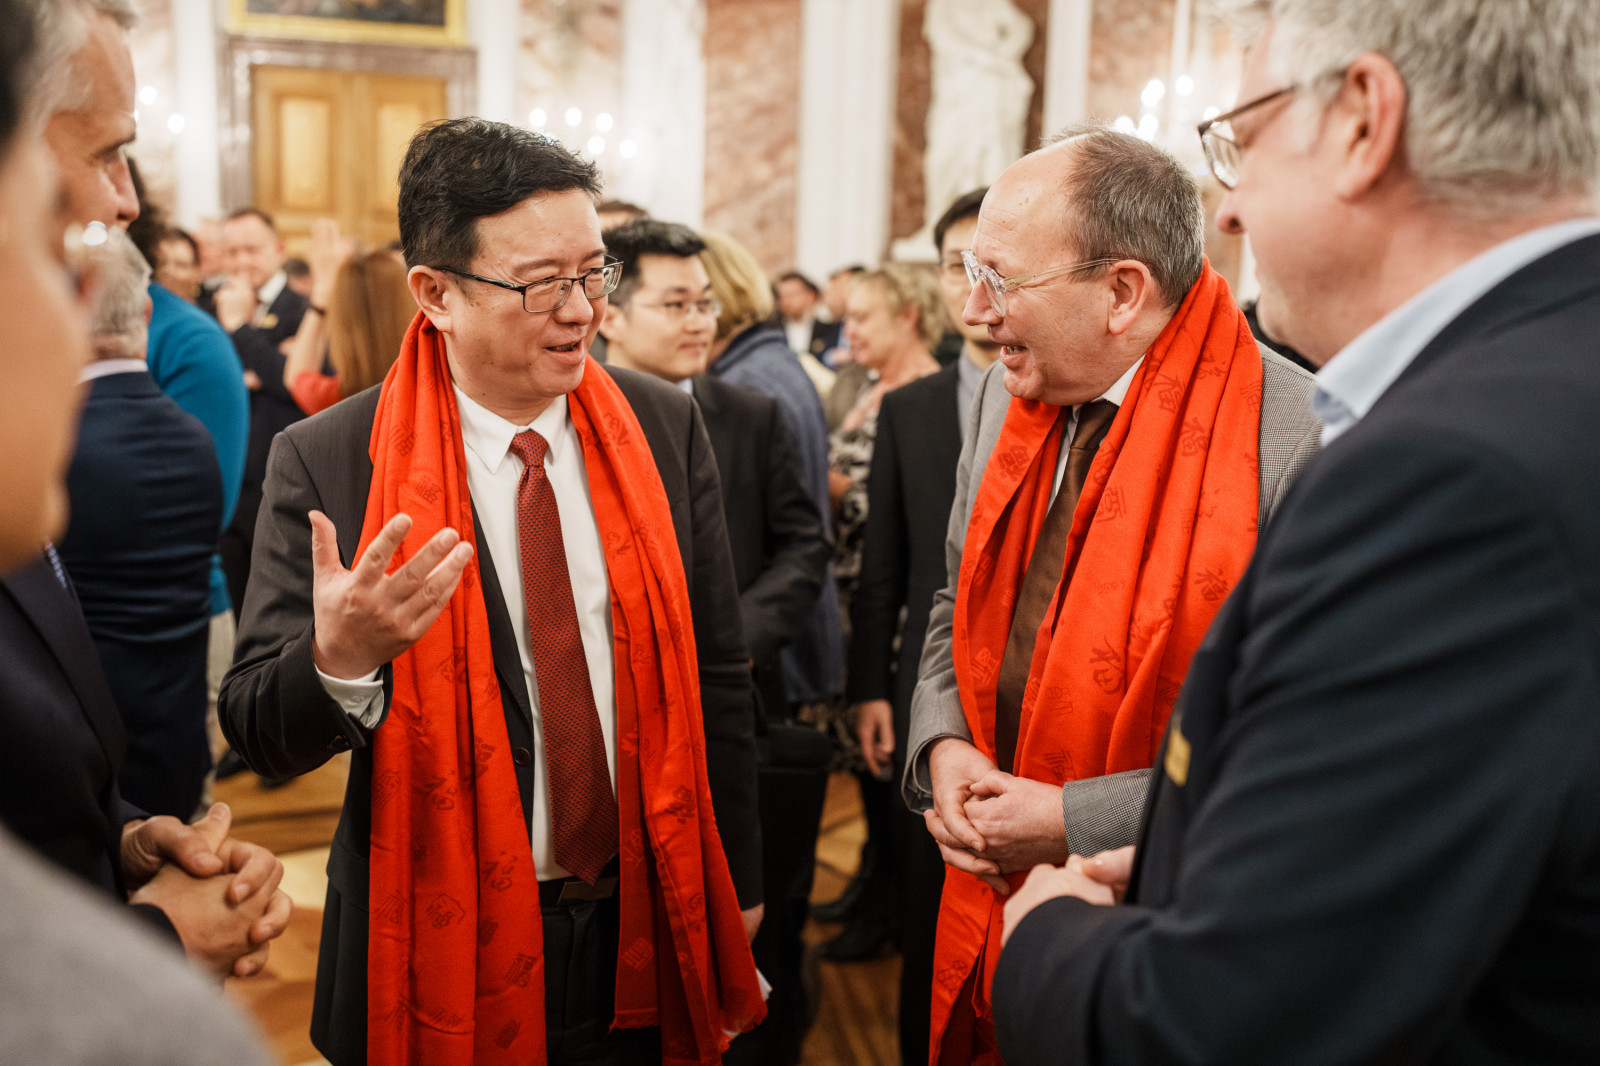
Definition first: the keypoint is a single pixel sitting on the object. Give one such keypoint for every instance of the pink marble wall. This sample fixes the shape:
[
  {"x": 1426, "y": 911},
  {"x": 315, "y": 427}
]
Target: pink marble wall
[
  {"x": 153, "y": 68},
  {"x": 752, "y": 50},
  {"x": 912, "y": 92},
  {"x": 906, "y": 206},
  {"x": 1130, "y": 42}
]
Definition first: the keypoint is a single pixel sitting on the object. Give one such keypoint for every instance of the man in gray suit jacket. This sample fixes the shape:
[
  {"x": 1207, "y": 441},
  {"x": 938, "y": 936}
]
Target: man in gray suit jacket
[{"x": 1064, "y": 338}]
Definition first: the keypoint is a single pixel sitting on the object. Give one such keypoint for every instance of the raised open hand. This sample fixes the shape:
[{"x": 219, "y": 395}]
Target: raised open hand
[
  {"x": 364, "y": 617},
  {"x": 326, "y": 254}
]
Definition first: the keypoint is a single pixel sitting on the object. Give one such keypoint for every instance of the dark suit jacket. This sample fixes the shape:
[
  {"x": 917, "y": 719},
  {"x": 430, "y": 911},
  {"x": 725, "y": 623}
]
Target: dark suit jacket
[
  {"x": 146, "y": 495},
  {"x": 910, "y": 490},
  {"x": 1374, "y": 833},
  {"x": 63, "y": 738},
  {"x": 272, "y": 410},
  {"x": 824, "y": 336},
  {"x": 276, "y": 714},
  {"x": 780, "y": 553}
]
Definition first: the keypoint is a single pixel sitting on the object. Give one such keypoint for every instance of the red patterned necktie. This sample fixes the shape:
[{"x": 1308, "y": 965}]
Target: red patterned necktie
[{"x": 583, "y": 808}]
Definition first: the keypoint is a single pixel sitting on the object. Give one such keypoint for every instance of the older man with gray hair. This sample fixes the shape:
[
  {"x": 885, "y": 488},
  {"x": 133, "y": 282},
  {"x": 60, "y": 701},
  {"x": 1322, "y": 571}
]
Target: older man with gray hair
[
  {"x": 1124, "y": 452},
  {"x": 146, "y": 498},
  {"x": 1375, "y": 831}
]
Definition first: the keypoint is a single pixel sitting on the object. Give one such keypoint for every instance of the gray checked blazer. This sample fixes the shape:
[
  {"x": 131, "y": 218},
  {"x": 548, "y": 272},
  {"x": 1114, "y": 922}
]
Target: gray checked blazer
[{"x": 1100, "y": 812}]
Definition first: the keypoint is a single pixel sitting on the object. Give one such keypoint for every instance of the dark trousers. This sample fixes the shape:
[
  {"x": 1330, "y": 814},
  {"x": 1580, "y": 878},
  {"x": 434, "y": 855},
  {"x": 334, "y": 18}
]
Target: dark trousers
[
  {"x": 580, "y": 984},
  {"x": 921, "y": 883}
]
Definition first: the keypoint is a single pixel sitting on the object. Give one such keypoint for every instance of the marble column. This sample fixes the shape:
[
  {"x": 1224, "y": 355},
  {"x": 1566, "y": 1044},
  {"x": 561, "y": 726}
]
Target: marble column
[
  {"x": 1130, "y": 43},
  {"x": 492, "y": 29},
  {"x": 664, "y": 107},
  {"x": 753, "y": 124},
  {"x": 847, "y": 84},
  {"x": 1066, "y": 68}
]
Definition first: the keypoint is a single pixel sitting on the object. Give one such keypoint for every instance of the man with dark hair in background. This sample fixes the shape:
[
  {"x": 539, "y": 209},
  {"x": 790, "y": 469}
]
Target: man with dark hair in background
[
  {"x": 260, "y": 312},
  {"x": 808, "y": 332},
  {"x": 661, "y": 321},
  {"x": 910, "y": 490},
  {"x": 546, "y": 693}
]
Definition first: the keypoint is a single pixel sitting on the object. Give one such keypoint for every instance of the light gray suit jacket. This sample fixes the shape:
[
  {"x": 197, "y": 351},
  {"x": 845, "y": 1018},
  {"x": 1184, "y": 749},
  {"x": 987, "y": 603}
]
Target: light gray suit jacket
[{"x": 1100, "y": 812}]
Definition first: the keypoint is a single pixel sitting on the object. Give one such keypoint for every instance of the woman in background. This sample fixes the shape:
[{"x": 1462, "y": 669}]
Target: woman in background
[
  {"x": 894, "y": 317},
  {"x": 358, "y": 316}
]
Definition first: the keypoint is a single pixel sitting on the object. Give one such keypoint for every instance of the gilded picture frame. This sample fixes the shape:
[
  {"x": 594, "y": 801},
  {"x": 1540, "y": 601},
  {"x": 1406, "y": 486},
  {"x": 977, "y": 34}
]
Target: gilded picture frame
[{"x": 403, "y": 22}]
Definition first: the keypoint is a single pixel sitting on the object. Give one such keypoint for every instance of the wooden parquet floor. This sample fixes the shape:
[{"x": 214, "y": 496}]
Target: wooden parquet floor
[{"x": 856, "y": 1012}]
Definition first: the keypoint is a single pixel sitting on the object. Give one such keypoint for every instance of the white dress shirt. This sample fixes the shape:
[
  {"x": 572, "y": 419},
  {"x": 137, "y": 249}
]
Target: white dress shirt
[
  {"x": 267, "y": 295},
  {"x": 1116, "y": 394},
  {"x": 798, "y": 334},
  {"x": 493, "y": 473},
  {"x": 1354, "y": 380},
  {"x": 104, "y": 368}
]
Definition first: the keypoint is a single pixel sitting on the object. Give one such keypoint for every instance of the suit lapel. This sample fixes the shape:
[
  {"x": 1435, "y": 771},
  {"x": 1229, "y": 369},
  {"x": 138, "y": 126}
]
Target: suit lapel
[
  {"x": 502, "y": 638},
  {"x": 59, "y": 621}
]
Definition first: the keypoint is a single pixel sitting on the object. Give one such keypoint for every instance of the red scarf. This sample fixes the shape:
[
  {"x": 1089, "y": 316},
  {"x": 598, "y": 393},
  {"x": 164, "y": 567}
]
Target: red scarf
[
  {"x": 455, "y": 963},
  {"x": 1164, "y": 528}
]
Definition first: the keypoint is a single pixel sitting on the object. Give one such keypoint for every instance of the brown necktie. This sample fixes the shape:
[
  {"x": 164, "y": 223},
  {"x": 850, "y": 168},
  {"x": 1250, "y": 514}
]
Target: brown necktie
[
  {"x": 583, "y": 809},
  {"x": 1041, "y": 578}
]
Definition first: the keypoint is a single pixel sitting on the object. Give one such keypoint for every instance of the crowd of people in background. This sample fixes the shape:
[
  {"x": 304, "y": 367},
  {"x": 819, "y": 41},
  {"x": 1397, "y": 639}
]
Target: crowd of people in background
[{"x": 1139, "y": 639}]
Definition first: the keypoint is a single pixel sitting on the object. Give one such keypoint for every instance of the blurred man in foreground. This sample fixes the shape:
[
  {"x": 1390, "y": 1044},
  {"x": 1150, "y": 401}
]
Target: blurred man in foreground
[{"x": 65, "y": 741}]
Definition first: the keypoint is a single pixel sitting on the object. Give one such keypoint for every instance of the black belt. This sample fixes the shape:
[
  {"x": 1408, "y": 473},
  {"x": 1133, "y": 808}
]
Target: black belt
[{"x": 577, "y": 890}]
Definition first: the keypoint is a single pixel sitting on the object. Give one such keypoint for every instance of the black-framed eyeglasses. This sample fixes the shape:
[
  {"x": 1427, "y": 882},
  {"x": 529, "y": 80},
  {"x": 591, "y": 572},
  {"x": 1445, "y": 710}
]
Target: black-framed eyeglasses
[
  {"x": 1216, "y": 138},
  {"x": 548, "y": 294},
  {"x": 678, "y": 310}
]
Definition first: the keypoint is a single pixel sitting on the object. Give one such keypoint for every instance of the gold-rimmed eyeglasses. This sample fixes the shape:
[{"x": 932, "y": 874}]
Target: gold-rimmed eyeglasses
[
  {"x": 1217, "y": 140},
  {"x": 998, "y": 287},
  {"x": 548, "y": 294}
]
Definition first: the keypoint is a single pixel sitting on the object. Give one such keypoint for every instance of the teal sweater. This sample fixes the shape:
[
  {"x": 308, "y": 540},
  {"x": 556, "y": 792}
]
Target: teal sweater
[{"x": 193, "y": 362}]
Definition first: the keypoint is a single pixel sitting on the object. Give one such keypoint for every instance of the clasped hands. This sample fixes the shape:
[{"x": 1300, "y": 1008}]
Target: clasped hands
[
  {"x": 221, "y": 895},
  {"x": 990, "y": 823}
]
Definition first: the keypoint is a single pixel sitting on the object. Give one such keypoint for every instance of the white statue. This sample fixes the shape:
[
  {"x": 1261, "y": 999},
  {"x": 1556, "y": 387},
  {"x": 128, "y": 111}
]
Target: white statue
[{"x": 978, "y": 111}]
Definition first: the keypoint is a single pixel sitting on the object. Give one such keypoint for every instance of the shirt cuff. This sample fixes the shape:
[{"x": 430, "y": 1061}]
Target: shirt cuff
[
  {"x": 361, "y": 699},
  {"x": 918, "y": 782}
]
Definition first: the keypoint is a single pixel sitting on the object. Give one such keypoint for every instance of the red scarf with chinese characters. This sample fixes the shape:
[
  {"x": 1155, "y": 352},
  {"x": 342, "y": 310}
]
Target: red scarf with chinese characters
[
  {"x": 455, "y": 962},
  {"x": 1164, "y": 528}
]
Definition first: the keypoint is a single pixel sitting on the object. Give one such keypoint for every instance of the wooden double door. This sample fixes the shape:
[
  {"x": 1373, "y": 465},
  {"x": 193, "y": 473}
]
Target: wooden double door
[{"x": 328, "y": 144}]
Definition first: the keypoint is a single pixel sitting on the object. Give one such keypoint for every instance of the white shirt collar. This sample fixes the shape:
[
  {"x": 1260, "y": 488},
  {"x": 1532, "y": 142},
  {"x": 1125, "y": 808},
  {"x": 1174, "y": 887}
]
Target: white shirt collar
[
  {"x": 104, "y": 368},
  {"x": 687, "y": 385},
  {"x": 1354, "y": 379},
  {"x": 1119, "y": 388},
  {"x": 272, "y": 289},
  {"x": 489, "y": 436}
]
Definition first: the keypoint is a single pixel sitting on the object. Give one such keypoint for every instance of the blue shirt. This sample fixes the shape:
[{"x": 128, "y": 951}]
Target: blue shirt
[
  {"x": 193, "y": 362},
  {"x": 1354, "y": 379}
]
